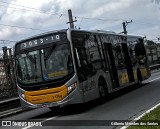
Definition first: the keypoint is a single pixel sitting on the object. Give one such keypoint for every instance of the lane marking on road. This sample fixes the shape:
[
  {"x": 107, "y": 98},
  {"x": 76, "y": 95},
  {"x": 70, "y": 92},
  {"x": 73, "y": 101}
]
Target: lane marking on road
[
  {"x": 139, "y": 117},
  {"x": 154, "y": 79},
  {"x": 42, "y": 122},
  {"x": 50, "y": 119}
]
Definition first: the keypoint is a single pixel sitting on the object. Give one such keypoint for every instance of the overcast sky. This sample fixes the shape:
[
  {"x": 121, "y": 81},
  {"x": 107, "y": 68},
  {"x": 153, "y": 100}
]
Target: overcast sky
[{"x": 20, "y": 19}]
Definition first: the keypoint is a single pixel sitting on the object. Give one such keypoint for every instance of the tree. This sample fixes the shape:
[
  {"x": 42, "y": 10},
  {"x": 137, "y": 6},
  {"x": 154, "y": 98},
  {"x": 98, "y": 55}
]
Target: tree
[{"x": 150, "y": 42}]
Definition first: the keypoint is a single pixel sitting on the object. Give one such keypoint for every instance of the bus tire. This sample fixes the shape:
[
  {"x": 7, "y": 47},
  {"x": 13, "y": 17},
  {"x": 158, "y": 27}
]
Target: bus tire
[
  {"x": 139, "y": 77},
  {"x": 102, "y": 90}
]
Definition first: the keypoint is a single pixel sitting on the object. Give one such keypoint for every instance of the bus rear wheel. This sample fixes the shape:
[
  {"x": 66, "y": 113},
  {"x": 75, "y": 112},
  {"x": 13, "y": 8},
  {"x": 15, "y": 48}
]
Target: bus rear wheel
[
  {"x": 139, "y": 78},
  {"x": 102, "y": 91}
]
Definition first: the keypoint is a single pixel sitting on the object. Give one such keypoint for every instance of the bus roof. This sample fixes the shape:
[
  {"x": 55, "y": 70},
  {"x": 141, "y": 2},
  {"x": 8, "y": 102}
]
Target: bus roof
[
  {"x": 88, "y": 31},
  {"x": 100, "y": 32},
  {"x": 42, "y": 34}
]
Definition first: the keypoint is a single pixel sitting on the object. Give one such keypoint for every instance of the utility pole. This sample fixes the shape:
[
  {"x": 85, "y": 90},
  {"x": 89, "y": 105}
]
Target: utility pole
[
  {"x": 124, "y": 26},
  {"x": 3, "y": 42},
  {"x": 71, "y": 22}
]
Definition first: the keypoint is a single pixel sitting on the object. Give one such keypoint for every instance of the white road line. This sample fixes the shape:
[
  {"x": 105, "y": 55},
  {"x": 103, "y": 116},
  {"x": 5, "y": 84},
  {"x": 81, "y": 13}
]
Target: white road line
[
  {"x": 139, "y": 117},
  {"x": 50, "y": 118},
  {"x": 154, "y": 79},
  {"x": 148, "y": 111},
  {"x": 41, "y": 122}
]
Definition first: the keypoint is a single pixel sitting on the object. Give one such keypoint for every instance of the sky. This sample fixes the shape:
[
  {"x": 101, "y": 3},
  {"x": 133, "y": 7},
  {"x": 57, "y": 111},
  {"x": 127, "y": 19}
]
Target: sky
[{"x": 20, "y": 19}]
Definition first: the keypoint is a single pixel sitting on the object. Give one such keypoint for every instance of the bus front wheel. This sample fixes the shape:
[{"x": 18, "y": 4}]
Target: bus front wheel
[{"x": 102, "y": 91}]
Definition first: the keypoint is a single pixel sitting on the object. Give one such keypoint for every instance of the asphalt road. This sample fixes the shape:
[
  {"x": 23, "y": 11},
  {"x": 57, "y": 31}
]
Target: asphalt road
[{"x": 126, "y": 104}]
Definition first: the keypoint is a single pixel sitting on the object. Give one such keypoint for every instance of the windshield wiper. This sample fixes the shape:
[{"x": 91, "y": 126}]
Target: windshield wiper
[
  {"x": 49, "y": 53},
  {"x": 33, "y": 60}
]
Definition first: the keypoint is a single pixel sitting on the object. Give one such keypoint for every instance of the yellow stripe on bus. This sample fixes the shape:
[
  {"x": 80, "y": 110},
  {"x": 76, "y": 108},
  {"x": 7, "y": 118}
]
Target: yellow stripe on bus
[
  {"x": 48, "y": 95},
  {"x": 144, "y": 72},
  {"x": 135, "y": 74},
  {"x": 124, "y": 78},
  {"x": 47, "y": 98}
]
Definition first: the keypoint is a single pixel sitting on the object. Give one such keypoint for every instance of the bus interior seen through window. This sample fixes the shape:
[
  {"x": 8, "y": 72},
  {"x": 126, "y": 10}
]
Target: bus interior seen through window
[{"x": 48, "y": 64}]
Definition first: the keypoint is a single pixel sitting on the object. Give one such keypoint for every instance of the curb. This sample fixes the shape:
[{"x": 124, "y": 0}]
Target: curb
[
  {"x": 139, "y": 117},
  {"x": 155, "y": 71}
]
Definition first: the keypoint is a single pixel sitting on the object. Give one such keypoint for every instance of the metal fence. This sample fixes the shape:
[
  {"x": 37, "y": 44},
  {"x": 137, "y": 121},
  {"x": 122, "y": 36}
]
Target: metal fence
[{"x": 7, "y": 75}]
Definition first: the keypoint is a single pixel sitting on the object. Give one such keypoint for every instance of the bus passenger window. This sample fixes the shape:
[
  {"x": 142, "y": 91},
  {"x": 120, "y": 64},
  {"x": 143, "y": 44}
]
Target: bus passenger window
[
  {"x": 119, "y": 57},
  {"x": 140, "y": 52}
]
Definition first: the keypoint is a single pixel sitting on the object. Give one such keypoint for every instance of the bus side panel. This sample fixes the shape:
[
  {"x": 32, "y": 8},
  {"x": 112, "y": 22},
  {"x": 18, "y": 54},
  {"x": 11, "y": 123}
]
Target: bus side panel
[
  {"x": 123, "y": 77},
  {"x": 145, "y": 72},
  {"x": 92, "y": 92}
]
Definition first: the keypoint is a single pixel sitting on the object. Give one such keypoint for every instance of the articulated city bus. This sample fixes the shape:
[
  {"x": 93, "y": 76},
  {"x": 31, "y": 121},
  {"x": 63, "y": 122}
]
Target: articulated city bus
[{"x": 75, "y": 66}]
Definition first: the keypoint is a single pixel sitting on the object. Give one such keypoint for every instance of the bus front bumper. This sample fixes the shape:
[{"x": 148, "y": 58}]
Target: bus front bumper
[{"x": 74, "y": 97}]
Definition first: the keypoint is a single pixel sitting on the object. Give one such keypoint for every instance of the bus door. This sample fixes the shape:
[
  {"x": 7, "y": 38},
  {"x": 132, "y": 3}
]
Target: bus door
[
  {"x": 128, "y": 62},
  {"x": 111, "y": 65}
]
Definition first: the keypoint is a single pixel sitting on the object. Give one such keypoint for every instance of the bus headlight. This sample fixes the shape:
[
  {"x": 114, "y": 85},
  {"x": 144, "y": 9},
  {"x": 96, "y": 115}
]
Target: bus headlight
[
  {"x": 23, "y": 96},
  {"x": 72, "y": 87}
]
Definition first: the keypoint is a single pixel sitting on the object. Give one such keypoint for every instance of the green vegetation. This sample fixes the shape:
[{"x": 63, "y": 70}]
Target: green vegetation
[{"x": 149, "y": 117}]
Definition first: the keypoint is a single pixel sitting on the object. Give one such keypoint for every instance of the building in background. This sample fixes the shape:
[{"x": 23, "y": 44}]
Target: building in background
[{"x": 153, "y": 52}]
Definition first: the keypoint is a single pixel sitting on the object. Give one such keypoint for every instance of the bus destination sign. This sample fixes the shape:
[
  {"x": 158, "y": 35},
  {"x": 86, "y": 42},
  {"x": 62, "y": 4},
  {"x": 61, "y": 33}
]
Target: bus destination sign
[{"x": 40, "y": 41}]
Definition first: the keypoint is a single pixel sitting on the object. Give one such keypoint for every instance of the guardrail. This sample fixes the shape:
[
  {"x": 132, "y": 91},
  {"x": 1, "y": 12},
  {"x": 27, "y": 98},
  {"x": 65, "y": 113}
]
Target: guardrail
[
  {"x": 9, "y": 103},
  {"x": 152, "y": 67},
  {"x": 9, "y": 107}
]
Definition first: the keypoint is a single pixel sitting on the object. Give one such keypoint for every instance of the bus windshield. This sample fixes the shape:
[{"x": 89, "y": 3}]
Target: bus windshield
[{"x": 44, "y": 64}]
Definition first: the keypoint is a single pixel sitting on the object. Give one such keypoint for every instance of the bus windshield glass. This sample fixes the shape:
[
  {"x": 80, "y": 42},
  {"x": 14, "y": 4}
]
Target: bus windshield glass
[{"x": 44, "y": 64}]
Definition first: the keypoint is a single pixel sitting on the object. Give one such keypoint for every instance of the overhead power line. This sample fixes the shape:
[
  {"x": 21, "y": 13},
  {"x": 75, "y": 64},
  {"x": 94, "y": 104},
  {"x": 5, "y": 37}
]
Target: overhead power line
[
  {"x": 22, "y": 6},
  {"x": 144, "y": 34},
  {"x": 35, "y": 11},
  {"x": 62, "y": 14},
  {"x": 29, "y": 8},
  {"x": 7, "y": 40},
  {"x": 48, "y": 30},
  {"x": 59, "y": 14},
  {"x": 22, "y": 27},
  {"x": 4, "y": 42}
]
